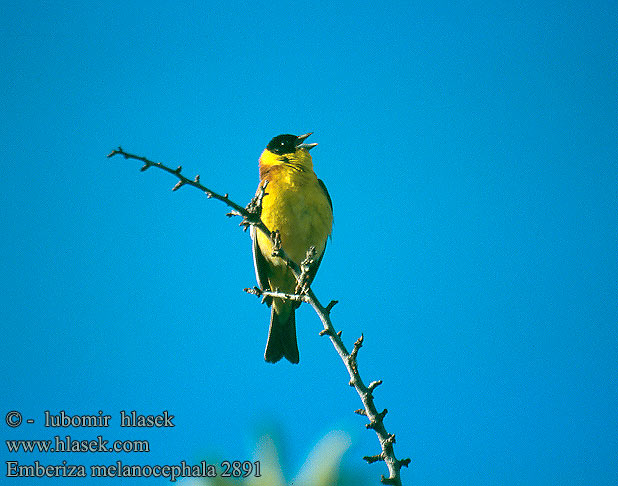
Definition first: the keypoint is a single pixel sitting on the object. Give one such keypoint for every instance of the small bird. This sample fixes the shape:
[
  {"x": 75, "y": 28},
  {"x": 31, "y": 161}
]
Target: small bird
[{"x": 297, "y": 204}]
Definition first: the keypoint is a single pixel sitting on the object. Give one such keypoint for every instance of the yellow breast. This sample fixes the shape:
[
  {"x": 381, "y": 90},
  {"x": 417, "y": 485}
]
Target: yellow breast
[{"x": 297, "y": 206}]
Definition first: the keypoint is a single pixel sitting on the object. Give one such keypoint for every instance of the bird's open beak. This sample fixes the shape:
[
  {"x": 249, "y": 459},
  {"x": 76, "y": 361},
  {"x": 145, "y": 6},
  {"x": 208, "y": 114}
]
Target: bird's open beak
[{"x": 299, "y": 142}]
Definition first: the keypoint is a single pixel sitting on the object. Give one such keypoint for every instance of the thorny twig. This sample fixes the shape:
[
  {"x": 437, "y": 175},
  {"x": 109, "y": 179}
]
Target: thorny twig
[{"x": 251, "y": 217}]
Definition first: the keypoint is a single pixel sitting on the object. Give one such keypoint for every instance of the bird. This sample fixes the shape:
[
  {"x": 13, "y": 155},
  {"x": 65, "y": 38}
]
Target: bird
[{"x": 297, "y": 204}]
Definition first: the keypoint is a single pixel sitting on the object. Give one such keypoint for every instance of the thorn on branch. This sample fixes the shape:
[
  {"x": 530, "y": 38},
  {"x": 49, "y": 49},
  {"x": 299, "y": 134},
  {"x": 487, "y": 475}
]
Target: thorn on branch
[
  {"x": 178, "y": 169},
  {"x": 385, "y": 480},
  {"x": 255, "y": 205},
  {"x": 324, "y": 332},
  {"x": 254, "y": 208},
  {"x": 254, "y": 291},
  {"x": 376, "y": 458},
  {"x": 352, "y": 357},
  {"x": 197, "y": 179},
  {"x": 262, "y": 192},
  {"x": 276, "y": 239},
  {"x": 330, "y": 305},
  {"x": 178, "y": 185},
  {"x": 114, "y": 152},
  {"x": 378, "y": 420},
  {"x": 309, "y": 258},
  {"x": 339, "y": 334},
  {"x": 305, "y": 269},
  {"x": 360, "y": 411}
]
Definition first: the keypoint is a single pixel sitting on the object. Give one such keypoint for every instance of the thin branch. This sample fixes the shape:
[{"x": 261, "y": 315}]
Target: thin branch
[
  {"x": 304, "y": 293},
  {"x": 280, "y": 295},
  {"x": 364, "y": 392},
  {"x": 182, "y": 179},
  {"x": 250, "y": 214}
]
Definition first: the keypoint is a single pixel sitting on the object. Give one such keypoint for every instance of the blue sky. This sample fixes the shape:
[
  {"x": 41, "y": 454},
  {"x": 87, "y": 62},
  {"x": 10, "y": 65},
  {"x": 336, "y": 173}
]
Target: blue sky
[{"x": 467, "y": 149}]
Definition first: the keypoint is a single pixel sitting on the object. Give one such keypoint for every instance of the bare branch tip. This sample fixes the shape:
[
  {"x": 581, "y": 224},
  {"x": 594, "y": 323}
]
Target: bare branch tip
[
  {"x": 324, "y": 332},
  {"x": 178, "y": 185},
  {"x": 254, "y": 291},
  {"x": 357, "y": 345},
  {"x": 373, "y": 385},
  {"x": 330, "y": 305},
  {"x": 360, "y": 411},
  {"x": 372, "y": 459}
]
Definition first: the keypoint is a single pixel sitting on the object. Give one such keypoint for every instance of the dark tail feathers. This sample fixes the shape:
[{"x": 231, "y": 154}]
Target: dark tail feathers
[{"x": 281, "y": 339}]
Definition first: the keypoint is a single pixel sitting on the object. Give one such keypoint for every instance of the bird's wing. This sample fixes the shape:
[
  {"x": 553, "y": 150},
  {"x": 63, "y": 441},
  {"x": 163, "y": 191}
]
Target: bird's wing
[
  {"x": 323, "y": 186},
  {"x": 317, "y": 263},
  {"x": 259, "y": 263}
]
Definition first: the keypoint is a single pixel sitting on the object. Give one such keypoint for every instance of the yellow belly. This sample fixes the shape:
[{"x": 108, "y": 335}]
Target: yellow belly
[{"x": 298, "y": 207}]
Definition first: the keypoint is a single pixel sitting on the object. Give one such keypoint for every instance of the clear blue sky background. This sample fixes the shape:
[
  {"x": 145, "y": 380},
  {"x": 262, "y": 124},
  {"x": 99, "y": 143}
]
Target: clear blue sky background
[{"x": 470, "y": 151}]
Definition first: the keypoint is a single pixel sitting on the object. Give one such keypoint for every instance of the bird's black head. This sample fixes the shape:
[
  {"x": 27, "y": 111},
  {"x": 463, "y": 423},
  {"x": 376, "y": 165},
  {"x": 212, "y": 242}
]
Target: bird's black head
[
  {"x": 288, "y": 144},
  {"x": 283, "y": 144}
]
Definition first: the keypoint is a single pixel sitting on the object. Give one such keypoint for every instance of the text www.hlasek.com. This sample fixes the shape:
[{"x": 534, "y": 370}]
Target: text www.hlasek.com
[
  {"x": 67, "y": 444},
  {"x": 117, "y": 469}
]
